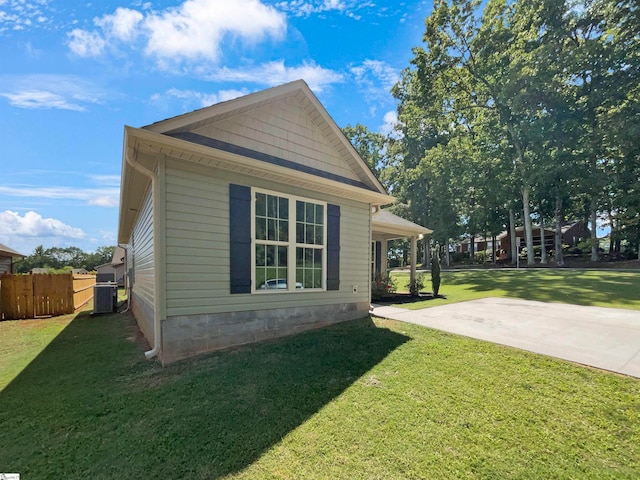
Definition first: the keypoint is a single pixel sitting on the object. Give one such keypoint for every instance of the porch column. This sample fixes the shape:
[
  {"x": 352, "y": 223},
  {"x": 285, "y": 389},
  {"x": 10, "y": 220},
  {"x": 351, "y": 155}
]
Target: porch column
[
  {"x": 414, "y": 251},
  {"x": 384, "y": 253}
]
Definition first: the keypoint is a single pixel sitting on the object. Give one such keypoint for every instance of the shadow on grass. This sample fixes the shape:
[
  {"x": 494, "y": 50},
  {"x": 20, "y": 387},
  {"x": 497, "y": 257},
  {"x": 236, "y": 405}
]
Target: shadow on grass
[
  {"x": 90, "y": 406},
  {"x": 579, "y": 287}
]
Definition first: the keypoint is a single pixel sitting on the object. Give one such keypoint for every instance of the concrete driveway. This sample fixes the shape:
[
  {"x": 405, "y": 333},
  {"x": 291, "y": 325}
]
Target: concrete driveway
[{"x": 607, "y": 338}]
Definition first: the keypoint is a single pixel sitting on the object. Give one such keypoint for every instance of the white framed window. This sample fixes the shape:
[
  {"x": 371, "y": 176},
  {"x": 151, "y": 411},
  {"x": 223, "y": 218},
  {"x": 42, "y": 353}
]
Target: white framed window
[{"x": 288, "y": 243}]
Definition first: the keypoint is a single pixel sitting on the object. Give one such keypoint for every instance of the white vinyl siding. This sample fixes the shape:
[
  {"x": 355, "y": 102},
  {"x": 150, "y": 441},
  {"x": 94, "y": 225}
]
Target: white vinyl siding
[
  {"x": 142, "y": 253},
  {"x": 197, "y": 245},
  {"x": 286, "y": 132}
]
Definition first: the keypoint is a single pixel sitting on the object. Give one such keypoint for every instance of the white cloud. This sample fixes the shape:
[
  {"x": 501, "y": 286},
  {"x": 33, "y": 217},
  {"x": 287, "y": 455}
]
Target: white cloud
[
  {"x": 305, "y": 8},
  {"x": 23, "y": 14},
  {"x": 375, "y": 76},
  {"x": 65, "y": 92},
  {"x": 202, "y": 99},
  {"x": 122, "y": 25},
  {"x": 102, "y": 197},
  {"x": 32, "y": 224},
  {"x": 192, "y": 31},
  {"x": 86, "y": 44},
  {"x": 36, "y": 99},
  {"x": 389, "y": 127},
  {"x": 276, "y": 73}
]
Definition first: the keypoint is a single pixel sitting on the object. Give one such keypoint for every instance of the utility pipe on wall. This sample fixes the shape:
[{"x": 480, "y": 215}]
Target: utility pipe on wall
[{"x": 157, "y": 327}]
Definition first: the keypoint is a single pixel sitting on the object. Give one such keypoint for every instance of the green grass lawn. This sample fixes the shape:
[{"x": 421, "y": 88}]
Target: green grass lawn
[
  {"x": 360, "y": 400},
  {"x": 602, "y": 288}
]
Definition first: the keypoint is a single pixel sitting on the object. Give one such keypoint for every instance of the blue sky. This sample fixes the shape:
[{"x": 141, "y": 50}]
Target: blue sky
[{"x": 72, "y": 74}]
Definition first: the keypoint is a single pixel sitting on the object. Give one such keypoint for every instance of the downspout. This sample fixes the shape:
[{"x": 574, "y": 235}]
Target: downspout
[
  {"x": 127, "y": 283},
  {"x": 157, "y": 327}
]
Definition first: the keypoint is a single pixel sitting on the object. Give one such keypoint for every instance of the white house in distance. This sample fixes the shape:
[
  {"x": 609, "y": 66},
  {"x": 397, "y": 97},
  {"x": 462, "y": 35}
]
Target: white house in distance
[{"x": 246, "y": 220}]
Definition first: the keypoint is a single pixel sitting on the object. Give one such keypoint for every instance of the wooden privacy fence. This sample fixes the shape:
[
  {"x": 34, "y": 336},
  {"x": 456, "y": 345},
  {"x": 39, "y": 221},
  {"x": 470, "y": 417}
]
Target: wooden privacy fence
[{"x": 41, "y": 295}]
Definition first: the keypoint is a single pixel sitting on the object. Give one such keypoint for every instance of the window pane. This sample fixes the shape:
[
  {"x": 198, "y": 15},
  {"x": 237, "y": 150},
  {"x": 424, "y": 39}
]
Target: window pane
[
  {"x": 319, "y": 234},
  {"x": 261, "y": 201},
  {"x": 261, "y": 228},
  {"x": 283, "y": 231},
  {"x": 299, "y": 232},
  {"x": 283, "y": 210},
  {"x": 320, "y": 214},
  {"x": 300, "y": 211},
  {"x": 272, "y": 206},
  {"x": 309, "y": 235},
  {"x": 271, "y": 229},
  {"x": 282, "y": 256},
  {"x": 317, "y": 258},
  {"x": 310, "y": 213},
  {"x": 260, "y": 255},
  {"x": 299, "y": 257}
]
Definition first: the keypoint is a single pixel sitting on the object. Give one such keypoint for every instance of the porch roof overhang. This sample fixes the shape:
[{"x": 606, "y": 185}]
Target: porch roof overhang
[{"x": 387, "y": 226}]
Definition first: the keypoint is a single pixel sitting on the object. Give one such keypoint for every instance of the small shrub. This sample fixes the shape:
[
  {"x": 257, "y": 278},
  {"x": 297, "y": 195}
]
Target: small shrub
[
  {"x": 435, "y": 272},
  {"x": 416, "y": 285},
  {"x": 382, "y": 287}
]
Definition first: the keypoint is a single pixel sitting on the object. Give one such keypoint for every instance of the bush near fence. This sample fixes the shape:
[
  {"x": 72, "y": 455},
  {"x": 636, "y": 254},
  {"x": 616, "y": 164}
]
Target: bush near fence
[{"x": 42, "y": 295}]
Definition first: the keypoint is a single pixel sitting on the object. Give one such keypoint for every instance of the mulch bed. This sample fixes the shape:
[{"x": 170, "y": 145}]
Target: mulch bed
[{"x": 405, "y": 298}]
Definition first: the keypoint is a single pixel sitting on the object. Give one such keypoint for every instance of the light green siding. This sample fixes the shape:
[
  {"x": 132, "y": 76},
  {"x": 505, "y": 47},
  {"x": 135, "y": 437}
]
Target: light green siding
[
  {"x": 197, "y": 246},
  {"x": 142, "y": 253},
  {"x": 287, "y": 132}
]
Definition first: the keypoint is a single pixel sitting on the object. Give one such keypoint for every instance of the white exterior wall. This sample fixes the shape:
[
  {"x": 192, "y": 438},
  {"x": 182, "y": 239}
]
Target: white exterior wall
[
  {"x": 197, "y": 246},
  {"x": 284, "y": 130}
]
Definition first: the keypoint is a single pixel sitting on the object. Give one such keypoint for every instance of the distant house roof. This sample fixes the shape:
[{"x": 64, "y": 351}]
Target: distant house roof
[
  {"x": 9, "y": 252},
  {"x": 79, "y": 271},
  {"x": 39, "y": 270}
]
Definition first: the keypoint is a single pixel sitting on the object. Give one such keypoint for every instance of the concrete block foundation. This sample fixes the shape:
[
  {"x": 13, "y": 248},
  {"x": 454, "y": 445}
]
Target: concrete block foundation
[{"x": 190, "y": 335}]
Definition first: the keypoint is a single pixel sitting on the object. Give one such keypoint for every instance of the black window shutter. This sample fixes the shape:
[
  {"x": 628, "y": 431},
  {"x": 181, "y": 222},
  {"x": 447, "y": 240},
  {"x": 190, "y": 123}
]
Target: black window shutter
[
  {"x": 333, "y": 247},
  {"x": 240, "y": 238},
  {"x": 379, "y": 258}
]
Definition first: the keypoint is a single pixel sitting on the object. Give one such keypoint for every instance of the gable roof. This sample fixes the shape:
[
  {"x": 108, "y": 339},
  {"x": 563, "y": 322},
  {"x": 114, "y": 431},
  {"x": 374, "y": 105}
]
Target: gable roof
[
  {"x": 9, "y": 252},
  {"x": 180, "y": 137},
  {"x": 179, "y": 125}
]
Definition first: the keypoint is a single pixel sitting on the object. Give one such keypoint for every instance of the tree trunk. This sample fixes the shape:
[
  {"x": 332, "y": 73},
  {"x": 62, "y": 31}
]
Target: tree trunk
[
  {"x": 594, "y": 232},
  {"x": 543, "y": 244},
  {"x": 558, "y": 242},
  {"x": 493, "y": 248},
  {"x": 446, "y": 253},
  {"x": 472, "y": 247},
  {"x": 426, "y": 242},
  {"x": 528, "y": 230},
  {"x": 512, "y": 235}
]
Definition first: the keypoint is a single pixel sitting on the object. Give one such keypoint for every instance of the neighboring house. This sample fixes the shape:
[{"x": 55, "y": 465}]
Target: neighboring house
[
  {"x": 572, "y": 234},
  {"x": 79, "y": 271},
  {"x": 39, "y": 270},
  {"x": 8, "y": 258},
  {"x": 114, "y": 270},
  {"x": 221, "y": 204}
]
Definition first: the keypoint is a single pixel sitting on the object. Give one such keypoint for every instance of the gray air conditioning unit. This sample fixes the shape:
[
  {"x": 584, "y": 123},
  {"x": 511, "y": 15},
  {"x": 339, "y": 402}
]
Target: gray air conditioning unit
[{"x": 105, "y": 297}]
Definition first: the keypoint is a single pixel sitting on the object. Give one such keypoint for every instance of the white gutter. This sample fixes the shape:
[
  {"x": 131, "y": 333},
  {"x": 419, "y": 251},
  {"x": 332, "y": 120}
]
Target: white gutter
[{"x": 157, "y": 327}]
